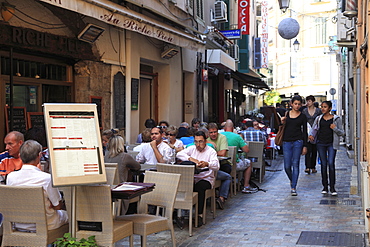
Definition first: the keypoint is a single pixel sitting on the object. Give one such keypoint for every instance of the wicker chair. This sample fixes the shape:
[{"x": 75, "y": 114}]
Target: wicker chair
[
  {"x": 256, "y": 151},
  {"x": 210, "y": 193},
  {"x": 233, "y": 174},
  {"x": 163, "y": 196},
  {"x": 93, "y": 205},
  {"x": 112, "y": 175},
  {"x": 185, "y": 198},
  {"x": 26, "y": 204}
]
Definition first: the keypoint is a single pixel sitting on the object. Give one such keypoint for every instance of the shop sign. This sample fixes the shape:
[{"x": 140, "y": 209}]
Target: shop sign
[
  {"x": 264, "y": 34},
  {"x": 133, "y": 21},
  {"x": 243, "y": 16},
  {"x": 30, "y": 39},
  {"x": 232, "y": 34}
]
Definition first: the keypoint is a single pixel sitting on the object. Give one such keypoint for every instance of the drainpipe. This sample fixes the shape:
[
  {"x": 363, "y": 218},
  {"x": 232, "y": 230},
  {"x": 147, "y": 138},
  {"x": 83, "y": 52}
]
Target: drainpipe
[
  {"x": 346, "y": 107},
  {"x": 128, "y": 85}
]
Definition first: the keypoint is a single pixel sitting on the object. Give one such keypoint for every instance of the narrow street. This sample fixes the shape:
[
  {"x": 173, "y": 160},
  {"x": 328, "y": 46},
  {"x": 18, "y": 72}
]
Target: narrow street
[{"x": 275, "y": 218}]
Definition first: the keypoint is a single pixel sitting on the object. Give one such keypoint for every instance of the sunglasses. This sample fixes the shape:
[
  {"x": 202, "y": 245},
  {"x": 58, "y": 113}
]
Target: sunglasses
[{"x": 169, "y": 134}]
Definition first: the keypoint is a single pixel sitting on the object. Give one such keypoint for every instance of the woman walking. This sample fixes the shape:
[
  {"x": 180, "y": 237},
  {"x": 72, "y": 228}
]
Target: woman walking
[
  {"x": 311, "y": 113},
  {"x": 327, "y": 128},
  {"x": 294, "y": 141}
]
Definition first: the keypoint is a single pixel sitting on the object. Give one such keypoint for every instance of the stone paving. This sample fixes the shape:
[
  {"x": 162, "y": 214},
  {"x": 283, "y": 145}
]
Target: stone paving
[{"x": 275, "y": 218}]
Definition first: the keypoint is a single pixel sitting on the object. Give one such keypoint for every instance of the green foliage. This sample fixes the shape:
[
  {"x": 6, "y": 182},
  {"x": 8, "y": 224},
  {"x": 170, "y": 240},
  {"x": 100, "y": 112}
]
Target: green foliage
[
  {"x": 68, "y": 241},
  {"x": 272, "y": 97}
]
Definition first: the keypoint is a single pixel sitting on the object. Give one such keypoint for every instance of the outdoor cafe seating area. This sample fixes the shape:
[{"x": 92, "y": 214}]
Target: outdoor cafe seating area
[{"x": 100, "y": 210}]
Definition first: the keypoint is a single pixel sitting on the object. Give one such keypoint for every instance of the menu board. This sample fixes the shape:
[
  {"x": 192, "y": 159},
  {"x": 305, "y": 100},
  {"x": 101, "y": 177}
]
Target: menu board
[
  {"x": 19, "y": 119},
  {"x": 35, "y": 120},
  {"x": 74, "y": 144},
  {"x": 134, "y": 94}
]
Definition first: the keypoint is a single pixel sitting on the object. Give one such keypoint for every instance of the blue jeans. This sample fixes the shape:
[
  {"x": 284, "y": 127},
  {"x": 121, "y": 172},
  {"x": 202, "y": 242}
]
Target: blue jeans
[
  {"x": 327, "y": 156},
  {"x": 292, "y": 156},
  {"x": 225, "y": 183}
]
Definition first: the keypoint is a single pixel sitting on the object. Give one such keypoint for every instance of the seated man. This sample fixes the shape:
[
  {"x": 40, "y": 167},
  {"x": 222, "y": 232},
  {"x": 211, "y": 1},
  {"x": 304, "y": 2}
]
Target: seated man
[
  {"x": 225, "y": 168},
  {"x": 10, "y": 160},
  {"x": 236, "y": 140},
  {"x": 204, "y": 156},
  {"x": 30, "y": 175},
  {"x": 251, "y": 134},
  {"x": 155, "y": 151}
]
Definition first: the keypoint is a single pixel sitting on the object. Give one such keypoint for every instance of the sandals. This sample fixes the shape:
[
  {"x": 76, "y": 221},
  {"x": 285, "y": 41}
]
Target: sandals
[{"x": 307, "y": 171}]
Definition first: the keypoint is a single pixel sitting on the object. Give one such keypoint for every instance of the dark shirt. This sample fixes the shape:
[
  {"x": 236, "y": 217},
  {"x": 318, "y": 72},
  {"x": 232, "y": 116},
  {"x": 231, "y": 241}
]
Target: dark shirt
[
  {"x": 311, "y": 119},
  {"x": 325, "y": 134},
  {"x": 281, "y": 111},
  {"x": 296, "y": 129}
]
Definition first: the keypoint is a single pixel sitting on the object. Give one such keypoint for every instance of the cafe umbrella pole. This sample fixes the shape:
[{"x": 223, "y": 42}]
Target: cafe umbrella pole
[{"x": 11, "y": 90}]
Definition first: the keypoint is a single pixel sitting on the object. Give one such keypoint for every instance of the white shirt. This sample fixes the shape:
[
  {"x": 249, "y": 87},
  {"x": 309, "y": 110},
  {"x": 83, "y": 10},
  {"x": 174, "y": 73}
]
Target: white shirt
[
  {"x": 147, "y": 155},
  {"x": 30, "y": 175},
  {"x": 209, "y": 155},
  {"x": 178, "y": 144}
]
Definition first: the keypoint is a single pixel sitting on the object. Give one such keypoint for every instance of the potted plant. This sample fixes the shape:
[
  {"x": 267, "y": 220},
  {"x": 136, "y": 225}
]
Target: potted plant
[{"x": 68, "y": 241}]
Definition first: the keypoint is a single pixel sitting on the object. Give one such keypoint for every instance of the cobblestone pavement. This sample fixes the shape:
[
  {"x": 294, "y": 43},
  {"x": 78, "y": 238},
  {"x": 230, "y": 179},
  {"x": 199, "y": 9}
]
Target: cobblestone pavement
[{"x": 275, "y": 218}]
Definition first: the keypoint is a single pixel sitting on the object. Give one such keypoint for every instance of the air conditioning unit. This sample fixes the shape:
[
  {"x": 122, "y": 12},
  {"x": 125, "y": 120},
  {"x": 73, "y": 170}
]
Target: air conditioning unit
[
  {"x": 344, "y": 28},
  {"x": 219, "y": 14},
  {"x": 234, "y": 52}
]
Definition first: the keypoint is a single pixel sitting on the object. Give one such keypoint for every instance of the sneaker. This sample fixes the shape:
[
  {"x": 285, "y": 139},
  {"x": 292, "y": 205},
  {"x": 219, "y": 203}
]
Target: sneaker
[
  {"x": 324, "y": 191},
  {"x": 333, "y": 192},
  {"x": 249, "y": 190},
  {"x": 220, "y": 203},
  {"x": 293, "y": 192}
]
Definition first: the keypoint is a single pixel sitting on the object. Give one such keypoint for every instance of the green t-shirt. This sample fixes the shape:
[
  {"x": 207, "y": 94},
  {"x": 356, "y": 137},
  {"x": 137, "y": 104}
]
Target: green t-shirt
[
  {"x": 234, "y": 140},
  {"x": 221, "y": 143}
]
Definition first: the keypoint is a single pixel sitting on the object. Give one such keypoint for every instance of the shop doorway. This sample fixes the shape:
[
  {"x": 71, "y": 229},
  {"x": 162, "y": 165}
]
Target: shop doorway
[{"x": 146, "y": 100}]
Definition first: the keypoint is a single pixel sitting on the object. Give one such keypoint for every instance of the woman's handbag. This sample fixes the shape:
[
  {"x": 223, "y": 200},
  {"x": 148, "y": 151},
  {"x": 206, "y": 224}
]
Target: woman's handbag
[{"x": 279, "y": 135}]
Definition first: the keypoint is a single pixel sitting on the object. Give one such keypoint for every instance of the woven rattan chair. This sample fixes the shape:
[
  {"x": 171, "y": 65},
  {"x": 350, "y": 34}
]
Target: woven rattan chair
[
  {"x": 211, "y": 193},
  {"x": 256, "y": 151},
  {"x": 94, "y": 205},
  {"x": 25, "y": 204},
  {"x": 111, "y": 165},
  {"x": 163, "y": 196},
  {"x": 185, "y": 198},
  {"x": 112, "y": 175},
  {"x": 233, "y": 174}
]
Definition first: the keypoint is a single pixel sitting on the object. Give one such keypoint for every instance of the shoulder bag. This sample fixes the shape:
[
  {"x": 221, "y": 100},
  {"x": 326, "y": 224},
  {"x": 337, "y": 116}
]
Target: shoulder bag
[{"x": 279, "y": 135}]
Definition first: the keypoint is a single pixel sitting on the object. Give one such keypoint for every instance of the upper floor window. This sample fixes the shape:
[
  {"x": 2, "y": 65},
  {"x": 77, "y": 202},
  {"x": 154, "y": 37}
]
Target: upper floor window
[
  {"x": 320, "y": 30},
  {"x": 199, "y": 9}
]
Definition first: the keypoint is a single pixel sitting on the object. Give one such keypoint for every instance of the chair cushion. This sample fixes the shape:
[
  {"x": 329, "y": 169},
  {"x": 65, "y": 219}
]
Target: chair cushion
[{"x": 145, "y": 224}]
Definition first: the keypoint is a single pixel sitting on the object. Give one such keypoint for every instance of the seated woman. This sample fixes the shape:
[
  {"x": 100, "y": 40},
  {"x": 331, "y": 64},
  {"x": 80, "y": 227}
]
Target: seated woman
[
  {"x": 171, "y": 140},
  {"x": 115, "y": 154}
]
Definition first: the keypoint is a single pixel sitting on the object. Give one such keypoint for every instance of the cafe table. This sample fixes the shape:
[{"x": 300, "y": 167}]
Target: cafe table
[{"x": 131, "y": 190}]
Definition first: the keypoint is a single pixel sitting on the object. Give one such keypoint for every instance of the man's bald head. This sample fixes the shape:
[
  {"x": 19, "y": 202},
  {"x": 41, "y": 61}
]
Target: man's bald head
[
  {"x": 229, "y": 125},
  {"x": 13, "y": 141}
]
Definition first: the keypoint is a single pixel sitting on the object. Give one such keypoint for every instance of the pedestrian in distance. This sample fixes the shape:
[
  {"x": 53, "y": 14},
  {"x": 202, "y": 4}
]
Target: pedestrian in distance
[
  {"x": 294, "y": 141},
  {"x": 311, "y": 113},
  {"x": 326, "y": 131}
]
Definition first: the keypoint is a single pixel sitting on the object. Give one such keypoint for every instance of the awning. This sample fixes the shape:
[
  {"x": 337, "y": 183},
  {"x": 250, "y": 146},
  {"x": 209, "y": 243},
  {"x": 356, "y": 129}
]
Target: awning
[
  {"x": 220, "y": 59},
  {"x": 120, "y": 16},
  {"x": 250, "y": 81}
]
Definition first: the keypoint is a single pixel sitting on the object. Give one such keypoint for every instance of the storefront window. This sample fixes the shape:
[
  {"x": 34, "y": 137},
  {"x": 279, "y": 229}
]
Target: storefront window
[{"x": 30, "y": 69}]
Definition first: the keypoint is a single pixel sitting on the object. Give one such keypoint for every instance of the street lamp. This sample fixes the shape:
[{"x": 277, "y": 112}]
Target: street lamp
[
  {"x": 284, "y": 5},
  {"x": 296, "y": 45}
]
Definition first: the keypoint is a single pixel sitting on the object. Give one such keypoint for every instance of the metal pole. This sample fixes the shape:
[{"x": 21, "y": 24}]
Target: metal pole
[
  {"x": 11, "y": 105},
  {"x": 346, "y": 107}
]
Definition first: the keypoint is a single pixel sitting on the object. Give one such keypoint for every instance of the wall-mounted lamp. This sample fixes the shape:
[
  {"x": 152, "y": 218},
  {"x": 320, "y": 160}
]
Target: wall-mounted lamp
[
  {"x": 169, "y": 53},
  {"x": 350, "y": 14},
  {"x": 90, "y": 33},
  {"x": 7, "y": 11},
  {"x": 296, "y": 45},
  {"x": 284, "y": 5}
]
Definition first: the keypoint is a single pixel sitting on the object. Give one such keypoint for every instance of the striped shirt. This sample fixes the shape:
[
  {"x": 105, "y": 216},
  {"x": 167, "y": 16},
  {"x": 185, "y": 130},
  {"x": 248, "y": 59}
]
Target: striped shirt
[{"x": 8, "y": 164}]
